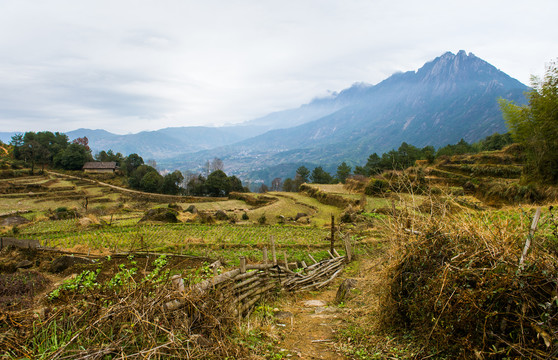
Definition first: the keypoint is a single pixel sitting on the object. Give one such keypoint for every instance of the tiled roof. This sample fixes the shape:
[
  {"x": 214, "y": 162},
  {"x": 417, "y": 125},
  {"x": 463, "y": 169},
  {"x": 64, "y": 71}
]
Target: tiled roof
[{"x": 100, "y": 165}]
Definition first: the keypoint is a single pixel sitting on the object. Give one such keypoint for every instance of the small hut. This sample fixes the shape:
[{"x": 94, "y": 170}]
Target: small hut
[{"x": 102, "y": 167}]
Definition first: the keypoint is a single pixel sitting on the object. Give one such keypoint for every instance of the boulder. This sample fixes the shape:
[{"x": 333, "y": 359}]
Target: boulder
[
  {"x": 192, "y": 209},
  {"x": 300, "y": 215},
  {"x": 161, "y": 215},
  {"x": 64, "y": 213},
  {"x": 221, "y": 215},
  {"x": 64, "y": 262},
  {"x": 85, "y": 222},
  {"x": 344, "y": 289},
  {"x": 175, "y": 207},
  {"x": 14, "y": 220}
]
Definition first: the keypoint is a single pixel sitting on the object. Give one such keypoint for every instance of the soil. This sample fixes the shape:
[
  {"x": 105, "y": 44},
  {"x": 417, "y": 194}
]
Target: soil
[
  {"x": 309, "y": 323},
  {"x": 20, "y": 265}
]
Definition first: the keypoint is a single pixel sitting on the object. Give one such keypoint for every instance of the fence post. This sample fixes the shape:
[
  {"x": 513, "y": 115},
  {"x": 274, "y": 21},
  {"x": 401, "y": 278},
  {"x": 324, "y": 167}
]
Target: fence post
[
  {"x": 348, "y": 250},
  {"x": 265, "y": 259},
  {"x": 332, "y": 233},
  {"x": 286, "y": 261},
  {"x": 242, "y": 264},
  {"x": 273, "y": 254}
]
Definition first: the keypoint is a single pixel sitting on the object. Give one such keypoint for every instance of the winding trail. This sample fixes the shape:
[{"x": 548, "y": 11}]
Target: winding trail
[{"x": 310, "y": 326}]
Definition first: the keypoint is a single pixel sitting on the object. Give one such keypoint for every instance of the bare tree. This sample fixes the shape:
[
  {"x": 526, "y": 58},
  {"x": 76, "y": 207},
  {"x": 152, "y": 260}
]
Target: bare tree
[
  {"x": 276, "y": 184},
  {"x": 217, "y": 164}
]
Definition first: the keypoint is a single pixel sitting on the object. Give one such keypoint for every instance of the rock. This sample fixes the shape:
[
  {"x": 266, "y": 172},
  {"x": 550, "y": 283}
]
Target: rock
[
  {"x": 314, "y": 303},
  {"x": 14, "y": 220},
  {"x": 24, "y": 264},
  {"x": 300, "y": 215},
  {"x": 344, "y": 288},
  {"x": 161, "y": 215},
  {"x": 175, "y": 207},
  {"x": 303, "y": 220},
  {"x": 85, "y": 222},
  {"x": 64, "y": 262},
  {"x": 283, "y": 314},
  {"x": 63, "y": 213},
  {"x": 192, "y": 209},
  {"x": 221, "y": 215}
]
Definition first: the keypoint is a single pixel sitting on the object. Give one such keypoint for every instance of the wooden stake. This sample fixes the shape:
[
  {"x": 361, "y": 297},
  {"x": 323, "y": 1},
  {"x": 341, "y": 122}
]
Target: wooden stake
[
  {"x": 530, "y": 237},
  {"x": 312, "y": 258},
  {"x": 265, "y": 259},
  {"x": 285, "y": 258},
  {"x": 332, "y": 233},
  {"x": 348, "y": 250},
  {"x": 273, "y": 254},
  {"x": 242, "y": 264}
]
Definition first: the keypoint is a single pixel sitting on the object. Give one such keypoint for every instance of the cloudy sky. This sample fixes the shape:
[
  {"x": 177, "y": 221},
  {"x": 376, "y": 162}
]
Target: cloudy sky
[{"x": 127, "y": 66}]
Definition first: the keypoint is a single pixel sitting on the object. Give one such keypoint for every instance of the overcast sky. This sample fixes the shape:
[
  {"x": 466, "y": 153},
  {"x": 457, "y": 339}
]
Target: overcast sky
[{"x": 128, "y": 66}]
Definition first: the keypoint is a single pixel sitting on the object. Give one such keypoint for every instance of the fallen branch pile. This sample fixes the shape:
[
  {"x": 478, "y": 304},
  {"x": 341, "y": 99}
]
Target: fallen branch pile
[{"x": 251, "y": 282}]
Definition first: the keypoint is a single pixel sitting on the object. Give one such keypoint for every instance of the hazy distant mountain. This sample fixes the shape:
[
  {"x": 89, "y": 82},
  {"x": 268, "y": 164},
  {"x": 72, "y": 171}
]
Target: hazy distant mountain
[
  {"x": 452, "y": 97},
  {"x": 165, "y": 143}
]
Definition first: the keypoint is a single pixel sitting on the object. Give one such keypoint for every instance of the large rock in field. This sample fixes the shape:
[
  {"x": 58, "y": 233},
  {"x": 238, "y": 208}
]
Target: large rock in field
[
  {"x": 161, "y": 215},
  {"x": 64, "y": 262},
  {"x": 221, "y": 215},
  {"x": 13, "y": 220}
]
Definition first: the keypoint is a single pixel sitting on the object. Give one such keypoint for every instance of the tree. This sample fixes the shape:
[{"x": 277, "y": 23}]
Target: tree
[
  {"x": 217, "y": 184},
  {"x": 372, "y": 166},
  {"x": 217, "y": 164},
  {"x": 235, "y": 184},
  {"x": 288, "y": 185},
  {"x": 303, "y": 173},
  {"x": 82, "y": 141},
  {"x": 132, "y": 162},
  {"x": 320, "y": 176},
  {"x": 343, "y": 172},
  {"x": 151, "y": 182},
  {"x": 171, "y": 183},
  {"x": 535, "y": 126},
  {"x": 135, "y": 178},
  {"x": 276, "y": 184},
  {"x": 17, "y": 142},
  {"x": 73, "y": 157}
]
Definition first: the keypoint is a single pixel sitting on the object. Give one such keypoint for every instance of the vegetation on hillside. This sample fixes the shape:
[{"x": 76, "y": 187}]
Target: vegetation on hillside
[{"x": 535, "y": 127}]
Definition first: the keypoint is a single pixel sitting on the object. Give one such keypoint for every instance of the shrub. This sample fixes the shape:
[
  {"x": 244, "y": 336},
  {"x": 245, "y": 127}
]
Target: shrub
[{"x": 376, "y": 187}]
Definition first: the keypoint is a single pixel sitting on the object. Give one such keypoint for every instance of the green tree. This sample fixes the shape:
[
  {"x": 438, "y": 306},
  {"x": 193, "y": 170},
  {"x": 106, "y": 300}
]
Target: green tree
[
  {"x": 343, "y": 172},
  {"x": 73, "y": 157},
  {"x": 132, "y": 162},
  {"x": 171, "y": 183},
  {"x": 17, "y": 142},
  {"x": 217, "y": 184},
  {"x": 134, "y": 179},
  {"x": 320, "y": 176},
  {"x": 151, "y": 182},
  {"x": 372, "y": 166},
  {"x": 535, "y": 126},
  {"x": 288, "y": 185},
  {"x": 235, "y": 185},
  {"x": 302, "y": 173}
]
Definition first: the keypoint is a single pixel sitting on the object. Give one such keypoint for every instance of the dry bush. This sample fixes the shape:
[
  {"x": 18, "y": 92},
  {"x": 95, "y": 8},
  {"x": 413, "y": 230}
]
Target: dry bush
[
  {"x": 456, "y": 284},
  {"x": 132, "y": 323}
]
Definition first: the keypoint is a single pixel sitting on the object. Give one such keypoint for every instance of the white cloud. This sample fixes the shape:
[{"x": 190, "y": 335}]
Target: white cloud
[{"x": 128, "y": 66}]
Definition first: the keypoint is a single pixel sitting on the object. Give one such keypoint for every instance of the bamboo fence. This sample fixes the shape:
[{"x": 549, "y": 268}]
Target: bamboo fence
[{"x": 250, "y": 283}]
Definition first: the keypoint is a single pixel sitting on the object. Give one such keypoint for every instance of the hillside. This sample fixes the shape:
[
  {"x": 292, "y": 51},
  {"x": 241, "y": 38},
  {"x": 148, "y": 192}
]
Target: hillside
[{"x": 452, "y": 97}]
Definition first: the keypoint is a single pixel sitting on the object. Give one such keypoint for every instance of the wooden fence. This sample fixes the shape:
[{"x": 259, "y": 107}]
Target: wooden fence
[{"x": 250, "y": 283}]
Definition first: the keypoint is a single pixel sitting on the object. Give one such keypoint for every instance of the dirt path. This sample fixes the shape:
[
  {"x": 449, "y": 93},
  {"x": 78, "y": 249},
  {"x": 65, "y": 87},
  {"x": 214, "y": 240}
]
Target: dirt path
[{"x": 310, "y": 323}]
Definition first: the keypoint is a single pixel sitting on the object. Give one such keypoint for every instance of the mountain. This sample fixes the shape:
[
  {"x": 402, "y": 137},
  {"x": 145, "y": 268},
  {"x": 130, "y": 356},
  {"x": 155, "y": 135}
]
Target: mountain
[
  {"x": 451, "y": 97},
  {"x": 167, "y": 142}
]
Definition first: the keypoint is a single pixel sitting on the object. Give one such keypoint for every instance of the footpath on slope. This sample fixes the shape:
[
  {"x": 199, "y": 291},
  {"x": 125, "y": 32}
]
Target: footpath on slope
[{"x": 309, "y": 323}]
